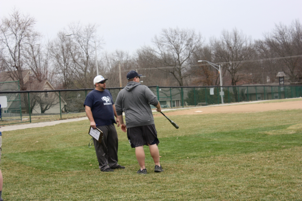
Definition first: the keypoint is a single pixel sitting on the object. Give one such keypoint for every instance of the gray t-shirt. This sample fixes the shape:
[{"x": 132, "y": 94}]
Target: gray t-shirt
[{"x": 135, "y": 99}]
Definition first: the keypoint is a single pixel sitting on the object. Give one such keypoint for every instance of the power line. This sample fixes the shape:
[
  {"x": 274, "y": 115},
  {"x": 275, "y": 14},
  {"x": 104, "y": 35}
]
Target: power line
[
  {"x": 266, "y": 59},
  {"x": 243, "y": 61},
  {"x": 255, "y": 60}
]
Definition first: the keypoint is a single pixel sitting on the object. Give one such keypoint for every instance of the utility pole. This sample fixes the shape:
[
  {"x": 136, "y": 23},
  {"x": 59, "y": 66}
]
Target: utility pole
[
  {"x": 220, "y": 76},
  {"x": 120, "y": 74},
  {"x": 96, "y": 60}
]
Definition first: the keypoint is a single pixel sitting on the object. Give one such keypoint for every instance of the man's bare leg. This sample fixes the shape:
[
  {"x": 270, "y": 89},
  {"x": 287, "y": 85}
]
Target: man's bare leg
[
  {"x": 140, "y": 156},
  {"x": 154, "y": 153}
]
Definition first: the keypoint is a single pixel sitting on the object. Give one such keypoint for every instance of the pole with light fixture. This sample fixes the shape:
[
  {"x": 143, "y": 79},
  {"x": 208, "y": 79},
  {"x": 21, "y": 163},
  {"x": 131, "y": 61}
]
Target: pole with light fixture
[
  {"x": 96, "y": 60},
  {"x": 120, "y": 74},
  {"x": 220, "y": 76}
]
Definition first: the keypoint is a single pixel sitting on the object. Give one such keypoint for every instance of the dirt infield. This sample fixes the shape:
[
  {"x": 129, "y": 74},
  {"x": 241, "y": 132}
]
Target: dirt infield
[{"x": 239, "y": 108}]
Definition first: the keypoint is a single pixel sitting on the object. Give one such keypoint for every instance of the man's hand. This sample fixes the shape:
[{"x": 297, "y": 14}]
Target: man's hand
[
  {"x": 90, "y": 116},
  {"x": 93, "y": 125},
  {"x": 124, "y": 127},
  {"x": 117, "y": 122},
  {"x": 158, "y": 107}
]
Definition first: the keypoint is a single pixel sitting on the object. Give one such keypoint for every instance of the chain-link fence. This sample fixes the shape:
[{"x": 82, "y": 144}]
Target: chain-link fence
[
  {"x": 13, "y": 113},
  {"x": 37, "y": 106}
]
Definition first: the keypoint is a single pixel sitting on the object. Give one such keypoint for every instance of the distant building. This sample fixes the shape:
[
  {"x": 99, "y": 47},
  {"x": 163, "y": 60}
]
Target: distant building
[{"x": 45, "y": 102}]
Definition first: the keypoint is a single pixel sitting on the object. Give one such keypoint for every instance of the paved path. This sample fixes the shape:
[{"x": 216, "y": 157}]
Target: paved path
[
  {"x": 41, "y": 124},
  {"x": 50, "y": 123}
]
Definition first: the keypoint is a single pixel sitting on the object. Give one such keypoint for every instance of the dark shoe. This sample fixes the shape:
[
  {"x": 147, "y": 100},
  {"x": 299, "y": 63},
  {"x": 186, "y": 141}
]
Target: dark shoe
[
  {"x": 158, "y": 168},
  {"x": 107, "y": 170},
  {"x": 118, "y": 167},
  {"x": 144, "y": 171}
]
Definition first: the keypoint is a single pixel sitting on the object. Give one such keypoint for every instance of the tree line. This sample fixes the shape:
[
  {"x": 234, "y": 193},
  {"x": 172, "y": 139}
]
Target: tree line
[{"x": 73, "y": 58}]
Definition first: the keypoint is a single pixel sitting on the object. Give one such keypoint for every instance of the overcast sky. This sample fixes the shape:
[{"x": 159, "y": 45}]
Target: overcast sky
[{"x": 130, "y": 24}]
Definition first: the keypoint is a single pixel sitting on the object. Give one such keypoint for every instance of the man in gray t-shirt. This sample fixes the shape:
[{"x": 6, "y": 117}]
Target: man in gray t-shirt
[{"x": 135, "y": 99}]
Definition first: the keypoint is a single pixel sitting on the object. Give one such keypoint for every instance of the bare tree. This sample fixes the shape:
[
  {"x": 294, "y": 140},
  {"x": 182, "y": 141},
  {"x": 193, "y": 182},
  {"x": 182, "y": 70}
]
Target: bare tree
[
  {"x": 233, "y": 49},
  {"x": 46, "y": 102},
  {"x": 117, "y": 64},
  {"x": 151, "y": 67},
  {"x": 287, "y": 42},
  {"x": 268, "y": 67},
  {"x": 74, "y": 55},
  {"x": 37, "y": 59},
  {"x": 61, "y": 59},
  {"x": 16, "y": 34},
  {"x": 172, "y": 52},
  {"x": 83, "y": 42},
  {"x": 203, "y": 74}
]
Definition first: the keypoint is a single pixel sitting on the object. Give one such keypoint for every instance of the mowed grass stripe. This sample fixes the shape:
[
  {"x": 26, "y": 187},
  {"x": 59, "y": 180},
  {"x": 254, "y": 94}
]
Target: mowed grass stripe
[
  {"x": 246, "y": 156},
  {"x": 266, "y": 175},
  {"x": 171, "y": 148}
]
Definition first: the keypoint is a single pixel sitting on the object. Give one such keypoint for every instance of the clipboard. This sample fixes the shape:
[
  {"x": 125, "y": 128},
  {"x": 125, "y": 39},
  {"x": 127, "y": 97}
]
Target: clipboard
[{"x": 96, "y": 134}]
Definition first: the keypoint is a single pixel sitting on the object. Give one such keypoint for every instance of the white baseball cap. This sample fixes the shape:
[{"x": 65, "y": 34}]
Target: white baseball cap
[{"x": 98, "y": 79}]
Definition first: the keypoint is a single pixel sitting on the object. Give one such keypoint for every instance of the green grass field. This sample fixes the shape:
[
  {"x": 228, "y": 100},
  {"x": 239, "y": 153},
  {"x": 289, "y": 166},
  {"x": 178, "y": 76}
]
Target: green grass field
[{"x": 244, "y": 156}]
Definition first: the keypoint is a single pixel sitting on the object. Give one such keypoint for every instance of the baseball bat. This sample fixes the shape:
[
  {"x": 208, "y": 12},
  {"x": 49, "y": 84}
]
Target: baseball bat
[{"x": 172, "y": 122}]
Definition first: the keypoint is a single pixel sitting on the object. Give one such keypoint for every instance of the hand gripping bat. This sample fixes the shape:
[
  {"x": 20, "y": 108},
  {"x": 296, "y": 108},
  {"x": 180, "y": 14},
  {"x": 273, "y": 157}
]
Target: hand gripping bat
[{"x": 172, "y": 122}]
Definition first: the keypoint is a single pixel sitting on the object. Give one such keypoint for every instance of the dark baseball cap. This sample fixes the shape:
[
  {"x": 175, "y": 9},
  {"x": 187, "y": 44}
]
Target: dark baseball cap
[{"x": 132, "y": 74}]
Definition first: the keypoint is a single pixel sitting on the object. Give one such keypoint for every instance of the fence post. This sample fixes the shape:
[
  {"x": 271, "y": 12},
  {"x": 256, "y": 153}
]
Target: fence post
[
  {"x": 218, "y": 97},
  {"x": 20, "y": 100},
  {"x": 229, "y": 98},
  {"x": 205, "y": 95},
  {"x": 157, "y": 92},
  {"x": 29, "y": 109},
  {"x": 60, "y": 105},
  {"x": 20, "y": 104},
  {"x": 194, "y": 95},
  {"x": 256, "y": 93},
  {"x": 182, "y": 96},
  {"x": 171, "y": 102},
  {"x": 264, "y": 94}
]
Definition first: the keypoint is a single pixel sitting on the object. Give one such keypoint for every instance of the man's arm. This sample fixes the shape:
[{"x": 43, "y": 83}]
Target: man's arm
[
  {"x": 121, "y": 120},
  {"x": 115, "y": 114},
  {"x": 152, "y": 99},
  {"x": 90, "y": 116},
  {"x": 158, "y": 107}
]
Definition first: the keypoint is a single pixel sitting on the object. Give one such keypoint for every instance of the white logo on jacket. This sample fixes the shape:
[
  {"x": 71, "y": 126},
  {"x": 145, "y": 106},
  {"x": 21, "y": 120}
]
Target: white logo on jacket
[{"x": 106, "y": 100}]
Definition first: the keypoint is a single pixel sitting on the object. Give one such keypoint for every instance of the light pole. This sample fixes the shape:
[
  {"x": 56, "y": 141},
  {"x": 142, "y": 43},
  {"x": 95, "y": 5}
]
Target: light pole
[
  {"x": 96, "y": 60},
  {"x": 220, "y": 76},
  {"x": 120, "y": 73}
]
